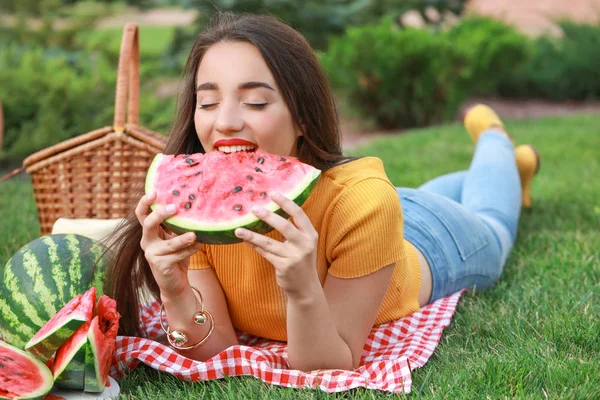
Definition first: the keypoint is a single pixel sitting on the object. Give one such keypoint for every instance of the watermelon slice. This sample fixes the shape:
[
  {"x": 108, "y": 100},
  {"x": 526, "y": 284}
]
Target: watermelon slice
[
  {"x": 62, "y": 325},
  {"x": 214, "y": 192},
  {"x": 22, "y": 376},
  {"x": 101, "y": 345},
  {"x": 87, "y": 355},
  {"x": 69, "y": 362}
]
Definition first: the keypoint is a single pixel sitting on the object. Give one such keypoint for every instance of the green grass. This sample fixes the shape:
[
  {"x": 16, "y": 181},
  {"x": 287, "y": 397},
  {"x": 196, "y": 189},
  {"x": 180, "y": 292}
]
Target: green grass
[{"x": 536, "y": 334}]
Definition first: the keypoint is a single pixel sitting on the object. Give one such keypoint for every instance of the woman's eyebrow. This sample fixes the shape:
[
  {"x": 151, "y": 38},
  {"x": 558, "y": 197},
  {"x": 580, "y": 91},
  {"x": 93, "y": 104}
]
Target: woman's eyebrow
[
  {"x": 254, "y": 85},
  {"x": 207, "y": 86},
  {"x": 241, "y": 86}
]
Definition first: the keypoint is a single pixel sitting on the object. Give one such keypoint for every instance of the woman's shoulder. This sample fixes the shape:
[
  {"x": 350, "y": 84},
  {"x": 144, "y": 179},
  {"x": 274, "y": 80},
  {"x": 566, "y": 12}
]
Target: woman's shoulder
[{"x": 354, "y": 170}]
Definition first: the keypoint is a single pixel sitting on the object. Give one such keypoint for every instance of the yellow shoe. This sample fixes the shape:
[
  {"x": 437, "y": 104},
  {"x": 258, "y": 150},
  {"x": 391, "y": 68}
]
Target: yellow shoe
[
  {"x": 528, "y": 163},
  {"x": 479, "y": 118}
]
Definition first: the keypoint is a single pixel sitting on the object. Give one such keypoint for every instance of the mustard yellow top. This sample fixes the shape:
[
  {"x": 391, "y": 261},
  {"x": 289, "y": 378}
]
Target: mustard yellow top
[{"x": 356, "y": 210}]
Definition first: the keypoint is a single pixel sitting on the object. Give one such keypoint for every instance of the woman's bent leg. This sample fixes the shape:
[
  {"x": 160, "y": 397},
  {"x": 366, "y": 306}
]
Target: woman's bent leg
[
  {"x": 492, "y": 187},
  {"x": 466, "y": 245}
]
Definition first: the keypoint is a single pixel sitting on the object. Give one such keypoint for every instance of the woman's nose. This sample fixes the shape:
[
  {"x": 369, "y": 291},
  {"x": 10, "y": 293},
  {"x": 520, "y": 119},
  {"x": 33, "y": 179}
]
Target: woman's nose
[{"x": 229, "y": 119}]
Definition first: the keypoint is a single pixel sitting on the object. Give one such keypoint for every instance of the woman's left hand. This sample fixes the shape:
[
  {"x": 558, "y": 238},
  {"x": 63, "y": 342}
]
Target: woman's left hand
[{"x": 294, "y": 259}]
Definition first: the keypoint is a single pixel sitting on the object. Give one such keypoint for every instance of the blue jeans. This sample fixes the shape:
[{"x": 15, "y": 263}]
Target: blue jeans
[{"x": 465, "y": 223}]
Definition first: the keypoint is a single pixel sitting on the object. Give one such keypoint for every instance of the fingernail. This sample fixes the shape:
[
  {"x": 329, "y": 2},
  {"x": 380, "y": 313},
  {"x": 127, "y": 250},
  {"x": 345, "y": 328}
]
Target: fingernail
[
  {"x": 171, "y": 208},
  {"x": 239, "y": 232},
  {"x": 276, "y": 195}
]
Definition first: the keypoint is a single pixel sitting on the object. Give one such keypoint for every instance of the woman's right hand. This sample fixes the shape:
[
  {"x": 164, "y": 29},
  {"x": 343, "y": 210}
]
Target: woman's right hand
[{"x": 167, "y": 254}]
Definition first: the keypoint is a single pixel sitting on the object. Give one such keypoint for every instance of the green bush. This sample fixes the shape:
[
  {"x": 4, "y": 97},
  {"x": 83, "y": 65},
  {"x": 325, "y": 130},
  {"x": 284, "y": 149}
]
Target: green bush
[
  {"x": 50, "y": 95},
  {"x": 493, "y": 50},
  {"x": 398, "y": 77},
  {"x": 316, "y": 20},
  {"x": 319, "y": 20},
  {"x": 564, "y": 68}
]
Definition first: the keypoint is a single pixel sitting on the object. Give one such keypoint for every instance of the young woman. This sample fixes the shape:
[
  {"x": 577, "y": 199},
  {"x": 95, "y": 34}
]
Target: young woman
[{"x": 359, "y": 252}]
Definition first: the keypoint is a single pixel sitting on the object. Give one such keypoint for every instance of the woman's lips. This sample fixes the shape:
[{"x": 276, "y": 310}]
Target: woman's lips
[{"x": 233, "y": 142}]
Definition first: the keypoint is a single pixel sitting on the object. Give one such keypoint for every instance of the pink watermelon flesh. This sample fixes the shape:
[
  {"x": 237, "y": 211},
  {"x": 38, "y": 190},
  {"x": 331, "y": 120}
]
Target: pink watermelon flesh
[
  {"x": 62, "y": 325},
  {"x": 101, "y": 345},
  {"x": 214, "y": 192},
  {"x": 22, "y": 375}
]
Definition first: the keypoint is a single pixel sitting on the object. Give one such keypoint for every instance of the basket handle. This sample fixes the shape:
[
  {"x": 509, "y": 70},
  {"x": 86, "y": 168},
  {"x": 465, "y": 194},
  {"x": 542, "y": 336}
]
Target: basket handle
[{"x": 127, "y": 97}]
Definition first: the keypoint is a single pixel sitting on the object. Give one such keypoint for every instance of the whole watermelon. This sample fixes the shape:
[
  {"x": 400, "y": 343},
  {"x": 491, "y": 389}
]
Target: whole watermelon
[{"x": 42, "y": 277}]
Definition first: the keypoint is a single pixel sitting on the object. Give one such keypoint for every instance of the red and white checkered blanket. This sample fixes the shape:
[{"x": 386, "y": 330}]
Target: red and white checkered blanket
[{"x": 391, "y": 352}]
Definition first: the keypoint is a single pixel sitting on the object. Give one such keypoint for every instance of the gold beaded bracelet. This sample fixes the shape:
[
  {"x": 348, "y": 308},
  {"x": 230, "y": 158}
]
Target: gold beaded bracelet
[{"x": 178, "y": 339}]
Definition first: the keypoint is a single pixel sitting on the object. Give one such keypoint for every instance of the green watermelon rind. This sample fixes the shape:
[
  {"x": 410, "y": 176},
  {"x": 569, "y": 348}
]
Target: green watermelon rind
[
  {"x": 224, "y": 233},
  {"x": 24, "y": 312},
  {"x": 100, "y": 346},
  {"x": 73, "y": 375},
  {"x": 92, "y": 379},
  {"x": 46, "y": 346},
  {"x": 91, "y": 382},
  {"x": 70, "y": 375},
  {"x": 44, "y": 371}
]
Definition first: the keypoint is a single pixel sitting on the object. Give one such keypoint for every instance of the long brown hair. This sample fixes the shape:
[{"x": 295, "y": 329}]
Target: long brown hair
[{"x": 304, "y": 88}]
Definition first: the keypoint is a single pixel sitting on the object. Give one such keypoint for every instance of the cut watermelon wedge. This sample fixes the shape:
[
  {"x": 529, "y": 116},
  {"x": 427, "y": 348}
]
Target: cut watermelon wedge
[
  {"x": 62, "y": 325},
  {"x": 69, "y": 362},
  {"x": 22, "y": 376},
  {"x": 214, "y": 192},
  {"x": 101, "y": 345}
]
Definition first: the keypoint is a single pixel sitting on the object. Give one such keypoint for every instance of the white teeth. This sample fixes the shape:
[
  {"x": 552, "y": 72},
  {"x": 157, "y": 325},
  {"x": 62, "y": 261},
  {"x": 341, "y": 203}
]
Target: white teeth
[{"x": 233, "y": 149}]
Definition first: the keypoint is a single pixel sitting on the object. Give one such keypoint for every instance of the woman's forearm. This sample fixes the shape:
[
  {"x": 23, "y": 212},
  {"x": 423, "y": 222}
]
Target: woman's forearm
[
  {"x": 179, "y": 313},
  {"x": 313, "y": 338}
]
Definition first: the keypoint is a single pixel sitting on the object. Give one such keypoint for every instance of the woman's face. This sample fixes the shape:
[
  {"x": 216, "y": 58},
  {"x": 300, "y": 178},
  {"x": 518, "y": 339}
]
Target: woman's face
[{"x": 237, "y": 98}]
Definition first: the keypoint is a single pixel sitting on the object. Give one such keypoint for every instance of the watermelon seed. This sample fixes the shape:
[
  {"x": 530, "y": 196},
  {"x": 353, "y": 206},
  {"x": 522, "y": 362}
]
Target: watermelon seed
[
  {"x": 175, "y": 192},
  {"x": 282, "y": 159},
  {"x": 191, "y": 162},
  {"x": 263, "y": 194},
  {"x": 261, "y": 160},
  {"x": 237, "y": 189},
  {"x": 197, "y": 173},
  {"x": 258, "y": 169},
  {"x": 237, "y": 207},
  {"x": 249, "y": 177},
  {"x": 188, "y": 205},
  {"x": 191, "y": 197}
]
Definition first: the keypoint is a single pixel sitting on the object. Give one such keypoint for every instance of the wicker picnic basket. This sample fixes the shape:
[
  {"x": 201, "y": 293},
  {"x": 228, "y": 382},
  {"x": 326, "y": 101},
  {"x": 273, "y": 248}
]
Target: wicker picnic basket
[{"x": 98, "y": 174}]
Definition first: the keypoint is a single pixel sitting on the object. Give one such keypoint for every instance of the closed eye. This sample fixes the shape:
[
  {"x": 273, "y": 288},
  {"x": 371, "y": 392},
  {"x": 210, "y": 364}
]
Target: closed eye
[
  {"x": 205, "y": 106},
  {"x": 257, "y": 106}
]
